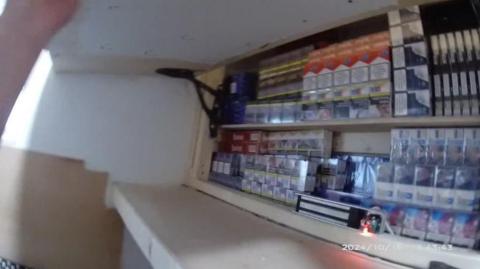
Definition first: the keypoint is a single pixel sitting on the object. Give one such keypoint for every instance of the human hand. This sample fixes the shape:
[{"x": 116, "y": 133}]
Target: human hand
[{"x": 39, "y": 17}]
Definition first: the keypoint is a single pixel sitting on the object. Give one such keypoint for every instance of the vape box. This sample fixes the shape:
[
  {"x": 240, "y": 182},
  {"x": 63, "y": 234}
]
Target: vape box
[
  {"x": 424, "y": 185},
  {"x": 415, "y": 223},
  {"x": 467, "y": 191},
  {"x": 444, "y": 187},
  {"x": 440, "y": 226},
  {"x": 455, "y": 146},
  {"x": 472, "y": 146},
  {"x": 384, "y": 186},
  {"x": 465, "y": 229},
  {"x": 436, "y": 148},
  {"x": 404, "y": 179}
]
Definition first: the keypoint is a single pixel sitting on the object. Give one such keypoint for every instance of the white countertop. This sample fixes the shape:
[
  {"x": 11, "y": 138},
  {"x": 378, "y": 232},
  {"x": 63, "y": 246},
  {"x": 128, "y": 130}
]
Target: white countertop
[{"x": 178, "y": 227}]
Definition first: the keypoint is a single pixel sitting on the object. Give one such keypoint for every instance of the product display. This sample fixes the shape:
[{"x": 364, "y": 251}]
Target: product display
[
  {"x": 410, "y": 61},
  {"x": 455, "y": 72}
]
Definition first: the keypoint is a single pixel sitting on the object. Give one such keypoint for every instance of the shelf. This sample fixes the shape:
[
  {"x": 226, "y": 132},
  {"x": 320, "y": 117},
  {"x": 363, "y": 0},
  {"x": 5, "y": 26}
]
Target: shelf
[
  {"x": 363, "y": 125},
  {"x": 178, "y": 227},
  {"x": 403, "y": 250}
]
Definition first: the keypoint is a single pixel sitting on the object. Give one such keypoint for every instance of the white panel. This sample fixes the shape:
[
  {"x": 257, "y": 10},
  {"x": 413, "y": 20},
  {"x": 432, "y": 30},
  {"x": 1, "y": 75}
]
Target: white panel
[
  {"x": 200, "y": 32},
  {"x": 137, "y": 128}
]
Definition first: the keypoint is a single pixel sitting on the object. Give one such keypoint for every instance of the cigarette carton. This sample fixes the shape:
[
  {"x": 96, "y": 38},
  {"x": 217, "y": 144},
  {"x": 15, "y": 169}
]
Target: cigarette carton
[
  {"x": 415, "y": 223},
  {"x": 384, "y": 186},
  {"x": 436, "y": 148},
  {"x": 424, "y": 185},
  {"x": 440, "y": 226},
  {"x": 465, "y": 229},
  {"x": 444, "y": 187},
  {"x": 404, "y": 179}
]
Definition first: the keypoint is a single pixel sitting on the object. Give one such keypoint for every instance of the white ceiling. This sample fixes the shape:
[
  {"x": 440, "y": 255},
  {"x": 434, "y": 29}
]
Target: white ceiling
[{"x": 193, "y": 33}]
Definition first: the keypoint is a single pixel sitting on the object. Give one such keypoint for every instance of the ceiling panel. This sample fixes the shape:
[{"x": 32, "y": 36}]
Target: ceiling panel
[{"x": 192, "y": 33}]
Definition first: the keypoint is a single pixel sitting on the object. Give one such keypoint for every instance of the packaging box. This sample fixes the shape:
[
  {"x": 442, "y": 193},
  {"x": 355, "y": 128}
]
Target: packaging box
[
  {"x": 395, "y": 216},
  {"x": 271, "y": 175},
  {"x": 416, "y": 54},
  {"x": 455, "y": 154},
  {"x": 291, "y": 197},
  {"x": 417, "y": 146},
  {"x": 404, "y": 179},
  {"x": 465, "y": 229},
  {"x": 267, "y": 191},
  {"x": 310, "y": 111},
  {"x": 275, "y": 113},
  {"x": 299, "y": 180},
  {"x": 246, "y": 185},
  {"x": 384, "y": 186},
  {"x": 333, "y": 174},
  {"x": 361, "y": 60},
  {"x": 260, "y": 168},
  {"x": 407, "y": 33},
  {"x": 310, "y": 74},
  {"x": 444, "y": 187},
  {"x": 342, "y": 109},
  {"x": 381, "y": 60},
  {"x": 289, "y": 112},
  {"x": 424, "y": 185},
  {"x": 379, "y": 107},
  {"x": 467, "y": 190},
  {"x": 279, "y": 194},
  {"x": 341, "y": 75},
  {"x": 325, "y": 110},
  {"x": 415, "y": 103},
  {"x": 472, "y": 146},
  {"x": 400, "y": 139},
  {"x": 249, "y": 173},
  {"x": 262, "y": 113},
  {"x": 404, "y": 15},
  {"x": 256, "y": 187},
  {"x": 440, "y": 226},
  {"x": 360, "y": 108},
  {"x": 325, "y": 73},
  {"x": 436, "y": 148},
  {"x": 250, "y": 114},
  {"x": 415, "y": 223}
]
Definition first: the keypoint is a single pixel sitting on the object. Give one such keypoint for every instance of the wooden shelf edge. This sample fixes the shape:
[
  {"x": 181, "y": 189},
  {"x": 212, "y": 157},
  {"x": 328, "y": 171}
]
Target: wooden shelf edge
[{"x": 363, "y": 125}]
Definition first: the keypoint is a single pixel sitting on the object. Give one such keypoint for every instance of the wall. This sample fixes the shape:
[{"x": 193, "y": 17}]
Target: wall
[
  {"x": 137, "y": 128},
  {"x": 53, "y": 215}
]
